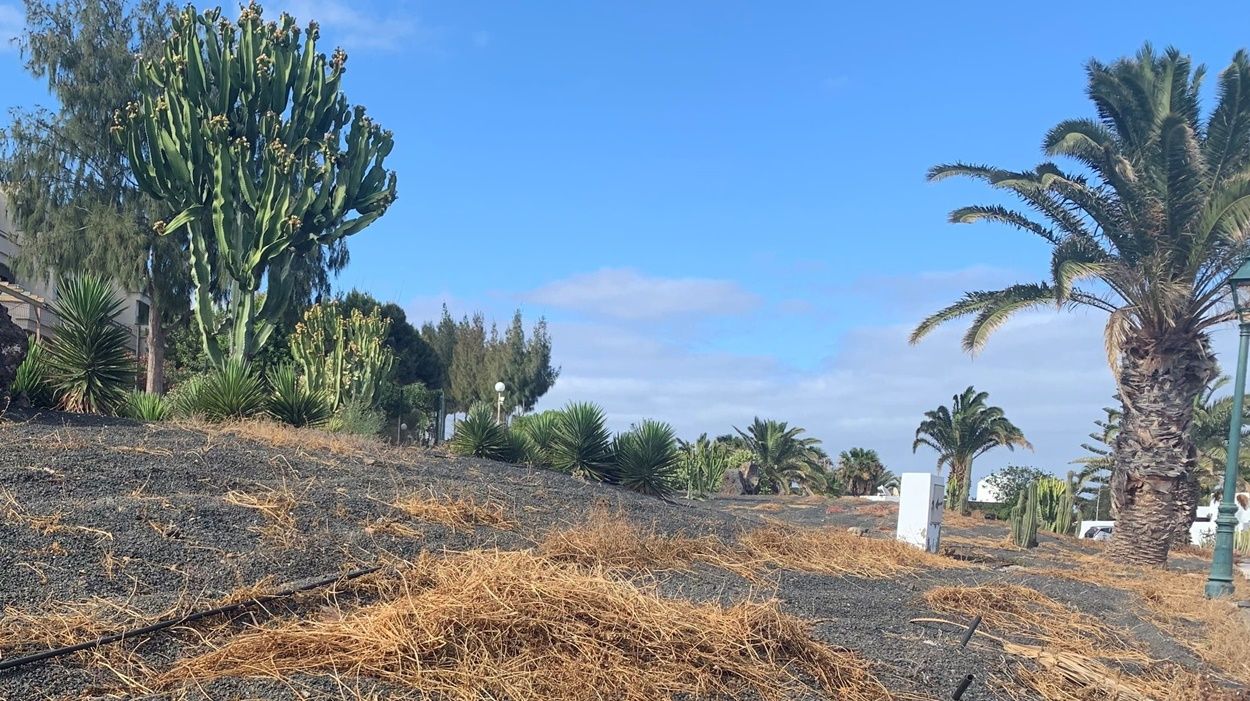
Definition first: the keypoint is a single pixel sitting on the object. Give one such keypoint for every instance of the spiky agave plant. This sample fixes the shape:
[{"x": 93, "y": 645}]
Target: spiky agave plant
[
  {"x": 582, "y": 446},
  {"x": 647, "y": 458},
  {"x": 233, "y": 391},
  {"x": 145, "y": 406},
  {"x": 292, "y": 402},
  {"x": 540, "y": 431},
  {"x": 89, "y": 361},
  {"x": 31, "y": 381},
  {"x": 480, "y": 436}
]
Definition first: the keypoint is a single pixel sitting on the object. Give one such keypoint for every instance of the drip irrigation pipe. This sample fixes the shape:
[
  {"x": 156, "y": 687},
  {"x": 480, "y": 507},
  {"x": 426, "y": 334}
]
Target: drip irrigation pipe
[{"x": 16, "y": 662}]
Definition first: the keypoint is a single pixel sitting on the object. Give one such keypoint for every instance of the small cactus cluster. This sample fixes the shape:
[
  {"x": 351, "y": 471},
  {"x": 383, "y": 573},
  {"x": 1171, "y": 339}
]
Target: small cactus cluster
[
  {"x": 344, "y": 359},
  {"x": 1025, "y": 518},
  {"x": 1056, "y": 505}
]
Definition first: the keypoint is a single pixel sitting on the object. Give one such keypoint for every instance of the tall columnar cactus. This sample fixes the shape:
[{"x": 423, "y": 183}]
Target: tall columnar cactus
[
  {"x": 1056, "y": 505},
  {"x": 1024, "y": 518},
  {"x": 242, "y": 130},
  {"x": 343, "y": 359}
]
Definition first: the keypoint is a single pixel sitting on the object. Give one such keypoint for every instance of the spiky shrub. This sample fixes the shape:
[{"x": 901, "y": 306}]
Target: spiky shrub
[
  {"x": 343, "y": 358},
  {"x": 480, "y": 436},
  {"x": 145, "y": 406},
  {"x": 233, "y": 391},
  {"x": 520, "y": 449},
  {"x": 31, "y": 382},
  {"x": 292, "y": 402},
  {"x": 241, "y": 128},
  {"x": 540, "y": 431},
  {"x": 647, "y": 458},
  {"x": 184, "y": 398},
  {"x": 357, "y": 419},
  {"x": 89, "y": 361},
  {"x": 582, "y": 445}
]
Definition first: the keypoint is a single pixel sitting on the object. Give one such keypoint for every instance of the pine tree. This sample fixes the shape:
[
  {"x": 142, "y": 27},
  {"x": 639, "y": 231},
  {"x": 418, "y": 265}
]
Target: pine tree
[{"x": 67, "y": 182}]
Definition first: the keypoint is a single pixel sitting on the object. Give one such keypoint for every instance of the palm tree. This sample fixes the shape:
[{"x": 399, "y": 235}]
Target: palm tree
[
  {"x": 861, "y": 471},
  {"x": 783, "y": 456},
  {"x": 1212, "y": 417},
  {"x": 964, "y": 432},
  {"x": 1155, "y": 216},
  {"x": 1097, "y": 464}
]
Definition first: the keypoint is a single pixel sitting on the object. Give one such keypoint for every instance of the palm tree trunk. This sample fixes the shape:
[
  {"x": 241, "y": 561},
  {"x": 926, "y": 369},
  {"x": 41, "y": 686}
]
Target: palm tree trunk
[{"x": 1151, "y": 488}]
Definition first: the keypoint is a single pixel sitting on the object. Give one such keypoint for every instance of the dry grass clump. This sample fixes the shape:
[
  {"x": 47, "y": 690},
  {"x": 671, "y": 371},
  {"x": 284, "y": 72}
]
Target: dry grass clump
[
  {"x": 453, "y": 512},
  {"x": 304, "y": 439},
  {"x": 835, "y": 552},
  {"x": 277, "y": 506},
  {"x": 613, "y": 541},
  {"x": 1023, "y": 613},
  {"x": 58, "y": 623},
  {"x": 514, "y": 625}
]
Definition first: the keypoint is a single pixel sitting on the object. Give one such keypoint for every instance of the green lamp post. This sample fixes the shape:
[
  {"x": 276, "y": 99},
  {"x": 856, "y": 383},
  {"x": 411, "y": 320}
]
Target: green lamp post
[{"x": 1220, "y": 581}]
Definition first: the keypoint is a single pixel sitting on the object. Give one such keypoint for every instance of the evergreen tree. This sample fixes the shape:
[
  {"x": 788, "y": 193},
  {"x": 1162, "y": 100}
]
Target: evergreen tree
[
  {"x": 441, "y": 338},
  {"x": 469, "y": 373},
  {"x": 69, "y": 188}
]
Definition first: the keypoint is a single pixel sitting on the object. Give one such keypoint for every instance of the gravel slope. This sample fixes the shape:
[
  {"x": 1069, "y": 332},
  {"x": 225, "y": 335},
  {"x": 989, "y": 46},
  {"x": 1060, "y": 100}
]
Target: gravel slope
[{"x": 135, "y": 514}]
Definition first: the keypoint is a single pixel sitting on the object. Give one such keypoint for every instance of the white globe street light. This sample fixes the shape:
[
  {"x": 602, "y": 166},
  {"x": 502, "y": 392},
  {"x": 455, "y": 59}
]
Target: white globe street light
[{"x": 499, "y": 389}]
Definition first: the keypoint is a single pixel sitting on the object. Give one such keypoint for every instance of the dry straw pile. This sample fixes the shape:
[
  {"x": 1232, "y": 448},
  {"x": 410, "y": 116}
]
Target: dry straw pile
[
  {"x": 514, "y": 625},
  {"x": 453, "y": 512},
  {"x": 614, "y": 542}
]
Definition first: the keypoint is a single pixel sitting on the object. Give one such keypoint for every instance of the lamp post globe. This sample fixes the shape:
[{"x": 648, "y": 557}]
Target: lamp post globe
[
  {"x": 499, "y": 389},
  {"x": 1220, "y": 580}
]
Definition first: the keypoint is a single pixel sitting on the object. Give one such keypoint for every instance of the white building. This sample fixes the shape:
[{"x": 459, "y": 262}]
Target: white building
[
  {"x": 27, "y": 299},
  {"x": 986, "y": 493}
]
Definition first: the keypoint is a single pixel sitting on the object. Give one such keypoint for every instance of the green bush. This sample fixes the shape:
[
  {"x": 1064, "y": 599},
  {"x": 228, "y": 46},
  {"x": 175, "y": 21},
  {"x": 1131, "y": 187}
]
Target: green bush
[
  {"x": 539, "y": 430},
  {"x": 480, "y": 436},
  {"x": 358, "y": 419},
  {"x": 233, "y": 391},
  {"x": 184, "y": 397},
  {"x": 702, "y": 465},
  {"x": 89, "y": 360},
  {"x": 143, "y": 406},
  {"x": 647, "y": 458},
  {"x": 32, "y": 381},
  {"x": 581, "y": 445},
  {"x": 290, "y": 400}
]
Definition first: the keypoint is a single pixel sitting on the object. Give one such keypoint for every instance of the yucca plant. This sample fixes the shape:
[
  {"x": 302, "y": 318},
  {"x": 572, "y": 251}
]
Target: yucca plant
[
  {"x": 184, "y": 398},
  {"x": 89, "y": 360},
  {"x": 647, "y": 458},
  {"x": 233, "y": 391},
  {"x": 145, "y": 406},
  {"x": 582, "y": 446},
  {"x": 32, "y": 381},
  {"x": 521, "y": 449},
  {"x": 480, "y": 436},
  {"x": 292, "y": 402},
  {"x": 540, "y": 431}
]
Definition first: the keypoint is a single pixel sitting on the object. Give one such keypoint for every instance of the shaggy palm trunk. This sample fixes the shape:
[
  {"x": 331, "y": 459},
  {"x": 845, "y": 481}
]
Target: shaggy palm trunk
[{"x": 1153, "y": 494}]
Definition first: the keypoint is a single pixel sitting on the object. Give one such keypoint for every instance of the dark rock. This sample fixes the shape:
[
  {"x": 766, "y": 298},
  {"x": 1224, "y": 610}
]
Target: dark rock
[
  {"x": 12, "y": 352},
  {"x": 744, "y": 480}
]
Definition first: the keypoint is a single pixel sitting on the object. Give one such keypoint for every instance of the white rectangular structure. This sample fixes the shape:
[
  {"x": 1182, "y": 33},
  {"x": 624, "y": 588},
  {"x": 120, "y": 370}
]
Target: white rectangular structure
[{"x": 922, "y": 498}]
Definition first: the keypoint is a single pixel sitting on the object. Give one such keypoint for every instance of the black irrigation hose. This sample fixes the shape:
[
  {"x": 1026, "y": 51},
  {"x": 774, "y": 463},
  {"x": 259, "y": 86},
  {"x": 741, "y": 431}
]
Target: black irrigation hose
[{"x": 15, "y": 662}]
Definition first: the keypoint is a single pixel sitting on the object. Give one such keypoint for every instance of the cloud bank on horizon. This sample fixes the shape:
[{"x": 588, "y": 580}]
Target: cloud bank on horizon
[{"x": 623, "y": 340}]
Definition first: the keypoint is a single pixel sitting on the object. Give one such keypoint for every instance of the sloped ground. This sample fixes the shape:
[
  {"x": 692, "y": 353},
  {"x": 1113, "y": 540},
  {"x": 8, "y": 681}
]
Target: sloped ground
[{"x": 108, "y": 524}]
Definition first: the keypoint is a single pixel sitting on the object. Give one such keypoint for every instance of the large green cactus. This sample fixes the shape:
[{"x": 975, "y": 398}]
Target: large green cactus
[
  {"x": 241, "y": 128},
  {"x": 1024, "y": 518},
  {"x": 1056, "y": 505},
  {"x": 343, "y": 359}
]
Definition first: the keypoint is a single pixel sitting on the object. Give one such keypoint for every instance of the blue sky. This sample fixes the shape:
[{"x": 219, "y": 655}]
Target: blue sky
[{"x": 720, "y": 206}]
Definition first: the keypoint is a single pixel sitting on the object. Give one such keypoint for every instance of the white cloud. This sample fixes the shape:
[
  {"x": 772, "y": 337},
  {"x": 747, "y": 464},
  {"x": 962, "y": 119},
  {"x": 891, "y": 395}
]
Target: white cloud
[
  {"x": 359, "y": 25},
  {"x": 624, "y": 294},
  {"x": 12, "y": 22},
  {"x": 1046, "y": 370}
]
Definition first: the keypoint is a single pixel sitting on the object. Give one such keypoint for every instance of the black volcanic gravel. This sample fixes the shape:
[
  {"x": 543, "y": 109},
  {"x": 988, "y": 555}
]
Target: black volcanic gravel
[{"x": 156, "y": 490}]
